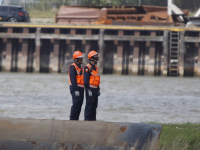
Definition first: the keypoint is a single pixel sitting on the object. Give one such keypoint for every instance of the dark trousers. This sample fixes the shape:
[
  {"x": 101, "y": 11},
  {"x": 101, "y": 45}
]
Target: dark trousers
[
  {"x": 76, "y": 103},
  {"x": 91, "y": 105}
]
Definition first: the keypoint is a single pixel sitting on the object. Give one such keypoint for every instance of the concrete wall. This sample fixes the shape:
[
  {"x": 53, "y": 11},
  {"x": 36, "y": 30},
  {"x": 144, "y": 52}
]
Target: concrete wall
[{"x": 122, "y": 51}]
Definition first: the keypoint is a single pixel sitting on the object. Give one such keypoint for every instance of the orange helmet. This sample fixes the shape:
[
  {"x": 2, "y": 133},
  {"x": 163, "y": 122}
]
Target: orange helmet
[
  {"x": 77, "y": 54},
  {"x": 91, "y": 54}
]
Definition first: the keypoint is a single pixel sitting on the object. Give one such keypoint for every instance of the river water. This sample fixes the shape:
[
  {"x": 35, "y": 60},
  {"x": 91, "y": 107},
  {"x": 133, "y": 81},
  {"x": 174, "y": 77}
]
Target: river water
[{"x": 133, "y": 99}]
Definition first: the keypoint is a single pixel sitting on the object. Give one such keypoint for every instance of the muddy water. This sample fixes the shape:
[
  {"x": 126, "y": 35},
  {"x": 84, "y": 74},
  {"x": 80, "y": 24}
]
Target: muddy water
[{"x": 123, "y": 98}]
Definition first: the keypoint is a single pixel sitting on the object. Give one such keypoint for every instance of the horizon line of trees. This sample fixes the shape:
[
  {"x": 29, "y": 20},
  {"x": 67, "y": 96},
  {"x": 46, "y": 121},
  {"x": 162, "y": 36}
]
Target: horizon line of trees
[{"x": 192, "y": 5}]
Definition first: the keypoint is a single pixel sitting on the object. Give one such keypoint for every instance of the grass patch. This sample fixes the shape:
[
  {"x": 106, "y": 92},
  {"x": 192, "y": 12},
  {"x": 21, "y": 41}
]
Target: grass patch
[
  {"x": 192, "y": 13},
  {"x": 180, "y": 137},
  {"x": 42, "y": 14}
]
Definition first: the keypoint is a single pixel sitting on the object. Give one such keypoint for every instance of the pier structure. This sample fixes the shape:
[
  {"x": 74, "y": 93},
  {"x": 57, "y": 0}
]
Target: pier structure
[{"x": 143, "y": 50}]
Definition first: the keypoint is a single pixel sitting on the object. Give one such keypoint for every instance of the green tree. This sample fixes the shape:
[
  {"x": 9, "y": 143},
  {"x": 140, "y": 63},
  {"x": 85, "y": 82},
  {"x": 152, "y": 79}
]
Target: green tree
[
  {"x": 94, "y": 2},
  {"x": 192, "y": 5},
  {"x": 124, "y": 2}
]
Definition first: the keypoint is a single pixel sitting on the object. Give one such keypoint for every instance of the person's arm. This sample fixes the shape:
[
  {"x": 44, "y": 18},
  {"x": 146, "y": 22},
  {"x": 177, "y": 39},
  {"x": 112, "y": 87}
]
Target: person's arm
[
  {"x": 86, "y": 77},
  {"x": 86, "y": 80},
  {"x": 73, "y": 77}
]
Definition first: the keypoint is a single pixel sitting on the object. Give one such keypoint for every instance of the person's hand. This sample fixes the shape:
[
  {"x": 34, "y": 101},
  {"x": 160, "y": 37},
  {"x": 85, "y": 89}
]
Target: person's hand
[
  {"x": 98, "y": 93},
  {"x": 90, "y": 93},
  {"x": 77, "y": 93}
]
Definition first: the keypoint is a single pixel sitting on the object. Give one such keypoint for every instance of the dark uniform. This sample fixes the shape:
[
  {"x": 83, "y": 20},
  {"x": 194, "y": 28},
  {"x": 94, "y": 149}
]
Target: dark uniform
[
  {"x": 91, "y": 102},
  {"x": 77, "y": 101}
]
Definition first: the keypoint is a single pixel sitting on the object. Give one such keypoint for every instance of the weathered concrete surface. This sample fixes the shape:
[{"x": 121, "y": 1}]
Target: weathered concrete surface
[
  {"x": 198, "y": 66},
  {"x": 123, "y": 50},
  {"x": 43, "y": 134},
  {"x": 54, "y": 56},
  {"x": 23, "y": 55}
]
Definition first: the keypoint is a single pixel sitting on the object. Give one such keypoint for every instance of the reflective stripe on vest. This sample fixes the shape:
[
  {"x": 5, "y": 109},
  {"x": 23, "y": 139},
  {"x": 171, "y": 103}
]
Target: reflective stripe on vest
[
  {"x": 79, "y": 77},
  {"x": 79, "y": 85},
  {"x": 92, "y": 86},
  {"x": 94, "y": 80}
]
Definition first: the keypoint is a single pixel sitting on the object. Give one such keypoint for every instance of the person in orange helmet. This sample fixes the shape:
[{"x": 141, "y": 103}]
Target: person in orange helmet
[
  {"x": 76, "y": 85},
  {"x": 91, "y": 82}
]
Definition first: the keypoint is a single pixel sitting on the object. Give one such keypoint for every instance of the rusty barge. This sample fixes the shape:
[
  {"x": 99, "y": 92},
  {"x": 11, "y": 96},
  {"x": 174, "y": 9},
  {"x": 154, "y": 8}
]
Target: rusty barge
[{"x": 133, "y": 50}]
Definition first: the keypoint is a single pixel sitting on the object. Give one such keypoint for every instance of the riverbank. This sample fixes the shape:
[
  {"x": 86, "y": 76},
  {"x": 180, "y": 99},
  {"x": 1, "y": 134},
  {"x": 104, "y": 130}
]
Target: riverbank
[{"x": 180, "y": 137}]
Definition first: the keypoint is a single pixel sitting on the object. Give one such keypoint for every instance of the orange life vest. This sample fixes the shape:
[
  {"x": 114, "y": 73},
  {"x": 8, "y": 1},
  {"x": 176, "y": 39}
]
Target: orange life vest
[
  {"x": 79, "y": 77},
  {"x": 94, "y": 80}
]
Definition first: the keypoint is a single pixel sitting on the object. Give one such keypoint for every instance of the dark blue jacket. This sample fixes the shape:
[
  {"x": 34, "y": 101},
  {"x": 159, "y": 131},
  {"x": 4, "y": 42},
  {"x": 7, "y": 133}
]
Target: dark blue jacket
[{"x": 73, "y": 74}]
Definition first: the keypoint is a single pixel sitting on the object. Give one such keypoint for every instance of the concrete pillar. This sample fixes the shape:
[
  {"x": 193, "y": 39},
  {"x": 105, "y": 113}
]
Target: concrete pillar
[
  {"x": 146, "y": 52},
  {"x": 158, "y": 59},
  {"x": 134, "y": 65},
  {"x": 101, "y": 50},
  {"x": 30, "y": 56},
  {"x": 164, "y": 58},
  {"x": 151, "y": 63},
  {"x": 55, "y": 54},
  {"x": 36, "y": 64},
  {"x": 86, "y": 48},
  {"x": 151, "y": 69},
  {"x": 1, "y": 53},
  {"x": 86, "y": 45},
  {"x": 135, "y": 68},
  {"x": 72, "y": 43},
  {"x": 7, "y": 55},
  {"x": 198, "y": 66},
  {"x": 72, "y": 47},
  {"x": 130, "y": 67},
  {"x": 141, "y": 59},
  {"x": 182, "y": 53},
  {"x": 23, "y": 55},
  {"x": 118, "y": 58},
  {"x": 68, "y": 52},
  {"x": 68, "y": 57},
  {"x": 15, "y": 49},
  {"x": 61, "y": 56}
]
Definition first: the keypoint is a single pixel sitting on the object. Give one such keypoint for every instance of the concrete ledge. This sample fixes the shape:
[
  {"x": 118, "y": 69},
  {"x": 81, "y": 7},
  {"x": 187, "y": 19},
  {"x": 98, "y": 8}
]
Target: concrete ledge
[{"x": 48, "y": 134}]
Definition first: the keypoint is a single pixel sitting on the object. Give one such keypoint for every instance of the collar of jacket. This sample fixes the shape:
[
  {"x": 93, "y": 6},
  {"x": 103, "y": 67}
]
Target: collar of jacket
[
  {"x": 78, "y": 65},
  {"x": 93, "y": 66}
]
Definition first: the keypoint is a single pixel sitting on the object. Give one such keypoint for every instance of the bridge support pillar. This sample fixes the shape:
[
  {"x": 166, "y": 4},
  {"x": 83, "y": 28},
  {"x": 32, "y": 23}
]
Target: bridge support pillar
[
  {"x": 101, "y": 50},
  {"x": 131, "y": 65},
  {"x": 23, "y": 55},
  {"x": 86, "y": 45},
  {"x": 151, "y": 62},
  {"x": 136, "y": 49},
  {"x": 198, "y": 60},
  {"x": 55, "y": 54},
  {"x": 118, "y": 58},
  {"x": 36, "y": 64},
  {"x": 6, "y": 62},
  {"x": 182, "y": 53},
  {"x": 164, "y": 59}
]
